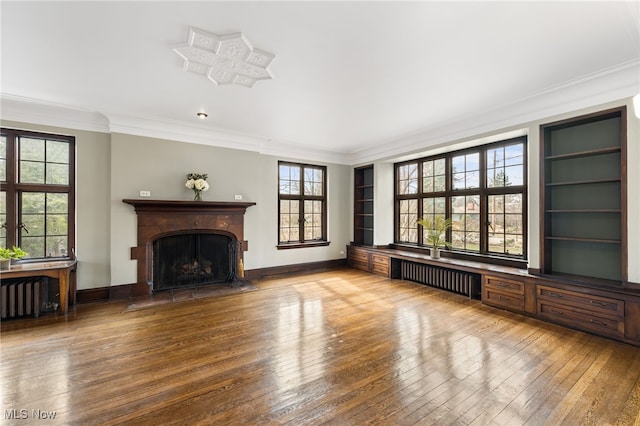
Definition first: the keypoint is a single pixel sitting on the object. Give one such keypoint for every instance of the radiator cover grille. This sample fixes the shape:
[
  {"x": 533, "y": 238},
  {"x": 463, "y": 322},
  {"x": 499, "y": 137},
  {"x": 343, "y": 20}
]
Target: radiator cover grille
[
  {"x": 24, "y": 297},
  {"x": 466, "y": 283}
]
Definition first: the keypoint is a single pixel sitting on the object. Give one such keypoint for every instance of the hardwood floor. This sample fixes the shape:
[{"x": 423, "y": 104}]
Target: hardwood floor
[{"x": 342, "y": 347}]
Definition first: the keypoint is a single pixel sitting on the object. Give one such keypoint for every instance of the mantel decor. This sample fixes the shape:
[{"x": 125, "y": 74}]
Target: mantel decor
[{"x": 198, "y": 183}]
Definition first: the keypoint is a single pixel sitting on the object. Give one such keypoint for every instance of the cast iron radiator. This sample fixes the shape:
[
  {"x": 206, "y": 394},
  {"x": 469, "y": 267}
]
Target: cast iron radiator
[
  {"x": 24, "y": 296},
  {"x": 466, "y": 283}
]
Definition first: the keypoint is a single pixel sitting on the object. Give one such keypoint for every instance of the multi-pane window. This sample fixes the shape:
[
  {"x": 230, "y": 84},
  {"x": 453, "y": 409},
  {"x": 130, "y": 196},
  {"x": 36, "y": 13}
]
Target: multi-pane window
[
  {"x": 482, "y": 190},
  {"x": 302, "y": 204},
  {"x": 37, "y": 193}
]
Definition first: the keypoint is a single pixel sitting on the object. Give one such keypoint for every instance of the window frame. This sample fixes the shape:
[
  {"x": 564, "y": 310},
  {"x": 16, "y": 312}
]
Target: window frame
[
  {"x": 301, "y": 198},
  {"x": 13, "y": 189},
  {"x": 484, "y": 191}
]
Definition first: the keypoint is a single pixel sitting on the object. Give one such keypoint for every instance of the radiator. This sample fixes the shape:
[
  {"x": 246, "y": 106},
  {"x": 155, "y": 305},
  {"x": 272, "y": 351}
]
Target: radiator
[
  {"x": 24, "y": 297},
  {"x": 460, "y": 282}
]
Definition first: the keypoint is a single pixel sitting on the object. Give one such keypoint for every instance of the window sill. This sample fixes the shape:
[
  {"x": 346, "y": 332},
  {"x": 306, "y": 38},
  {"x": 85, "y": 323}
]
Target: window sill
[
  {"x": 287, "y": 246},
  {"x": 475, "y": 257}
]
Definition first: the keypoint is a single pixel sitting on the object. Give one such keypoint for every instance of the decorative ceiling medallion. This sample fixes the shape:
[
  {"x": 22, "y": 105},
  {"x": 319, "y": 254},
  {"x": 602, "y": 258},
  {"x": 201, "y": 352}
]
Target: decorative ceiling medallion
[{"x": 225, "y": 59}]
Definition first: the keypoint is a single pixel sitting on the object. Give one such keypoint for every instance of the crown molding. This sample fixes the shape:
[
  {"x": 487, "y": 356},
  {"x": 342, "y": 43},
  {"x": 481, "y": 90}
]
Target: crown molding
[
  {"x": 163, "y": 129},
  {"x": 182, "y": 132},
  {"x": 37, "y": 111},
  {"x": 611, "y": 85}
]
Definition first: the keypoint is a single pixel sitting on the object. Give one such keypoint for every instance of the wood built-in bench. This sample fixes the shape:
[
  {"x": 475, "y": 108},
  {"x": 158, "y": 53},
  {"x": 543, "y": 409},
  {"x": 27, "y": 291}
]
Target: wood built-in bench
[{"x": 608, "y": 311}]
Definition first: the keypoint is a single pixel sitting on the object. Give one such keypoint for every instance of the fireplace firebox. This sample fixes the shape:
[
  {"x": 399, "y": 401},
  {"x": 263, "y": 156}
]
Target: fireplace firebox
[
  {"x": 187, "y": 260},
  {"x": 186, "y": 243}
]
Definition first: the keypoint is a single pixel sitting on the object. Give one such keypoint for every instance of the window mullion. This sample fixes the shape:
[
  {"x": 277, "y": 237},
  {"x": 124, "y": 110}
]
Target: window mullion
[
  {"x": 303, "y": 198},
  {"x": 484, "y": 228},
  {"x": 11, "y": 192}
]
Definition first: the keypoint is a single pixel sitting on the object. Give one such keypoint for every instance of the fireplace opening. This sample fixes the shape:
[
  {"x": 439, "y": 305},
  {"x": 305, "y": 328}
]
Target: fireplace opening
[{"x": 187, "y": 260}]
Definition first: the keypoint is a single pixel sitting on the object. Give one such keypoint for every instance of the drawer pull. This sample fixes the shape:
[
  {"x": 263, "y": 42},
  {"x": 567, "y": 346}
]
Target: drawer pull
[
  {"x": 553, "y": 311},
  {"x": 503, "y": 298},
  {"x": 503, "y": 285},
  {"x": 556, "y": 295},
  {"x": 604, "y": 324},
  {"x": 593, "y": 302}
]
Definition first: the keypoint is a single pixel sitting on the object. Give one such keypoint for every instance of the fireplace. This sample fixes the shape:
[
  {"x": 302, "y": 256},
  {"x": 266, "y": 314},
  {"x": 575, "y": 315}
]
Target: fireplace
[
  {"x": 187, "y": 243},
  {"x": 191, "y": 259}
]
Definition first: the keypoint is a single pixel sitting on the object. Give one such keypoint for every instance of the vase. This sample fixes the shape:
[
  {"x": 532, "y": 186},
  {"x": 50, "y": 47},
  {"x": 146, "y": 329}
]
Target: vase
[
  {"x": 197, "y": 195},
  {"x": 435, "y": 253},
  {"x": 5, "y": 264}
]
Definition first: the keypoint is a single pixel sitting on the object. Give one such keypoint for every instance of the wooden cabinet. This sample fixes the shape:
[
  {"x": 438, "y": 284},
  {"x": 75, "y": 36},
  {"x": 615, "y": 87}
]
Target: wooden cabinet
[
  {"x": 583, "y": 197},
  {"x": 597, "y": 309},
  {"x": 363, "y": 205},
  {"x": 503, "y": 293},
  {"x": 380, "y": 264},
  {"x": 365, "y": 260},
  {"x": 601, "y": 315},
  {"x": 358, "y": 258}
]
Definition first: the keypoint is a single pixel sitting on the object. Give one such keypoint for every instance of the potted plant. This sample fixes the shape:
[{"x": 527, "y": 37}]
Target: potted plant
[
  {"x": 8, "y": 254},
  {"x": 436, "y": 233}
]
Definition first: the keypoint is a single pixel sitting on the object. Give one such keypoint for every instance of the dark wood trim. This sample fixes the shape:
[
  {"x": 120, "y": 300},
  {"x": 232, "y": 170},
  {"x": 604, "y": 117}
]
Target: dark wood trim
[
  {"x": 91, "y": 295},
  {"x": 301, "y": 198},
  {"x": 545, "y": 221},
  {"x": 446, "y": 253},
  {"x": 178, "y": 206},
  {"x": 256, "y": 274},
  {"x": 483, "y": 192},
  {"x": 157, "y": 218},
  {"x": 121, "y": 291},
  {"x": 13, "y": 187},
  {"x": 359, "y": 202},
  {"x": 104, "y": 294},
  {"x": 623, "y": 190},
  {"x": 306, "y": 244}
]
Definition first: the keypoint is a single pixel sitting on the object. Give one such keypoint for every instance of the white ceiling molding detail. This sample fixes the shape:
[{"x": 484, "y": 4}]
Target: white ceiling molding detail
[
  {"x": 27, "y": 110},
  {"x": 589, "y": 91},
  {"x": 225, "y": 59}
]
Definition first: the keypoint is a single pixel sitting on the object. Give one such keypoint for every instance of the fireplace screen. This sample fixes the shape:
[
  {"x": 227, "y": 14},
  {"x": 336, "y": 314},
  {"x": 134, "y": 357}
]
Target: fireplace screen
[{"x": 193, "y": 259}]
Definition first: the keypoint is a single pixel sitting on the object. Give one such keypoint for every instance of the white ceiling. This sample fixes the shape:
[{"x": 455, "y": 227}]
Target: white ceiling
[{"x": 353, "y": 81}]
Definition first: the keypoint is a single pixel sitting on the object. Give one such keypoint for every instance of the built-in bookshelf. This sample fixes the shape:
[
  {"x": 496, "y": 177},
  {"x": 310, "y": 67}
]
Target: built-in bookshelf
[
  {"x": 583, "y": 197},
  {"x": 363, "y": 205}
]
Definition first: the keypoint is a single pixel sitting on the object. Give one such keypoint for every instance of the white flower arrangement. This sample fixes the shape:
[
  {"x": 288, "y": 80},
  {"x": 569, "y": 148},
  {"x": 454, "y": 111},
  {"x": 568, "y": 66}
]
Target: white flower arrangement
[{"x": 198, "y": 183}]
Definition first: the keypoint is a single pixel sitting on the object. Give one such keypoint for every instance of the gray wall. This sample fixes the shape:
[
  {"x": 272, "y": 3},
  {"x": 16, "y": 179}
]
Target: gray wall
[{"x": 160, "y": 166}]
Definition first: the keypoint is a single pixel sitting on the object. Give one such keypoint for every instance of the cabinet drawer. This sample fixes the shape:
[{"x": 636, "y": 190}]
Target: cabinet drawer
[
  {"x": 358, "y": 256},
  {"x": 358, "y": 259},
  {"x": 380, "y": 264},
  {"x": 564, "y": 314},
  {"x": 504, "y": 300},
  {"x": 585, "y": 303},
  {"x": 504, "y": 285}
]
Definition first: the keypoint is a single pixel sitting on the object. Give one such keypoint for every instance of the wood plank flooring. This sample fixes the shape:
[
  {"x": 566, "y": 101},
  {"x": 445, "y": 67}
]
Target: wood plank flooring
[{"x": 342, "y": 347}]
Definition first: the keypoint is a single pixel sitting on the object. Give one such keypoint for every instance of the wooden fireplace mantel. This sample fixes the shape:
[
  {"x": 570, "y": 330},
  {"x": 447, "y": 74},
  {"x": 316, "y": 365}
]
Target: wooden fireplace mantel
[
  {"x": 158, "y": 218},
  {"x": 178, "y": 206}
]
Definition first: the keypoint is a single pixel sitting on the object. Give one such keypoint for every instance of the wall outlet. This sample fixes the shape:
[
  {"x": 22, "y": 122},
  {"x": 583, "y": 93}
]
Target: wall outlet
[
  {"x": 145, "y": 193},
  {"x": 238, "y": 197}
]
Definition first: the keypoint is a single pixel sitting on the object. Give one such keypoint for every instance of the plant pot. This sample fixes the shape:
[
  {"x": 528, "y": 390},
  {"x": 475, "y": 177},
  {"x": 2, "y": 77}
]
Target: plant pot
[
  {"x": 5, "y": 264},
  {"x": 435, "y": 252}
]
